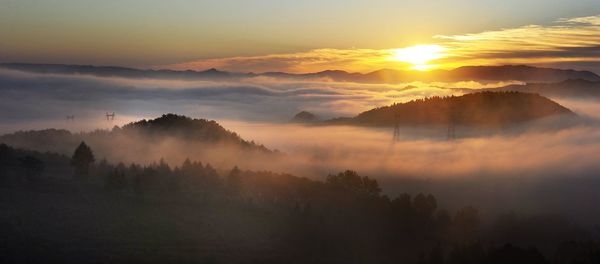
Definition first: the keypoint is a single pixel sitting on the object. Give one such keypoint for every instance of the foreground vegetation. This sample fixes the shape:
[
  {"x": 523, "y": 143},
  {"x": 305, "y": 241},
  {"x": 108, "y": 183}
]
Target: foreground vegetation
[{"x": 76, "y": 209}]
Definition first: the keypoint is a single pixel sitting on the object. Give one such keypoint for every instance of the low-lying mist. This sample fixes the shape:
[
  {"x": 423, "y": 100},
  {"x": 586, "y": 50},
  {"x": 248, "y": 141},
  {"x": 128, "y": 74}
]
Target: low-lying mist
[
  {"x": 39, "y": 101},
  {"x": 427, "y": 153},
  {"x": 535, "y": 170},
  {"x": 529, "y": 170},
  {"x": 532, "y": 168}
]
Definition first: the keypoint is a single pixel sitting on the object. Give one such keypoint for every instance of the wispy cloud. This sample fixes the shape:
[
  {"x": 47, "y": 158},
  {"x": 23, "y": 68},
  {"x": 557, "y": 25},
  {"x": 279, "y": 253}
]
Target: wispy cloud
[
  {"x": 30, "y": 97},
  {"x": 568, "y": 42},
  {"x": 359, "y": 60}
]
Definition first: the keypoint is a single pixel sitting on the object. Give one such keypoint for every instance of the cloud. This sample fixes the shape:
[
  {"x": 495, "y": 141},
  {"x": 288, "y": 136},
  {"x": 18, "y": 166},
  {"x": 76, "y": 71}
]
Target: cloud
[
  {"x": 572, "y": 42},
  {"x": 535, "y": 151},
  {"x": 533, "y": 170},
  {"x": 41, "y": 101},
  {"x": 29, "y": 98},
  {"x": 356, "y": 60},
  {"x": 495, "y": 166}
]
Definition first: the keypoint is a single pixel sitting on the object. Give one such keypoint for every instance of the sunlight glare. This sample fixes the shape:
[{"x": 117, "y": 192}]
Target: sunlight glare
[{"x": 420, "y": 55}]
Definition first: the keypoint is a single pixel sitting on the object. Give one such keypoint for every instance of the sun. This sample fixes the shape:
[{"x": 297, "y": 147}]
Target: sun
[{"x": 419, "y": 55}]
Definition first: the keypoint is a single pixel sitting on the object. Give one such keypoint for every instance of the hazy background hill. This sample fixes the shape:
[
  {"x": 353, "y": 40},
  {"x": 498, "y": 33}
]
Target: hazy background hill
[
  {"x": 466, "y": 73},
  {"x": 469, "y": 73},
  {"x": 572, "y": 88},
  {"x": 170, "y": 137},
  {"x": 514, "y": 72},
  {"x": 115, "y": 71}
]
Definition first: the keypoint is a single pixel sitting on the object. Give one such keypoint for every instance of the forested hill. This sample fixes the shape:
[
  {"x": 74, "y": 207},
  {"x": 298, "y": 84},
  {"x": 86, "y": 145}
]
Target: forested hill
[
  {"x": 484, "y": 109},
  {"x": 187, "y": 128},
  {"x": 142, "y": 132},
  {"x": 53, "y": 211}
]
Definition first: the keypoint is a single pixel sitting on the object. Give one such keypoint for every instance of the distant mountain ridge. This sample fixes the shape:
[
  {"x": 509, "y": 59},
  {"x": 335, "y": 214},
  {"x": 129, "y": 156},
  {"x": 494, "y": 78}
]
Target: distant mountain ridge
[
  {"x": 115, "y": 71},
  {"x": 572, "y": 88},
  {"x": 517, "y": 73},
  {"x": 465, "y": 73},
  {"x": 482, "y": 109}
]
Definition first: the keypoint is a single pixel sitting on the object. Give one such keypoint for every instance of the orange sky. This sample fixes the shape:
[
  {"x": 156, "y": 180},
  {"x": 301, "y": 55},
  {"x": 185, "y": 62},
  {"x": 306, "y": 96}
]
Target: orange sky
[
  {"x": 566, "y": 43},
  {"x": 301, "y": 36}
]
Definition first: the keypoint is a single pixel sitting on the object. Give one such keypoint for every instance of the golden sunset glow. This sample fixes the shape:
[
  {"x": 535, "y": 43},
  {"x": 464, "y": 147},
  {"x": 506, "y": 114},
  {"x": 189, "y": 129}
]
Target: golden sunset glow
[
  {"x": 420, "y": 55},
  {"x": 567, "y": 43},
  {"x": 312, "y": 131}
]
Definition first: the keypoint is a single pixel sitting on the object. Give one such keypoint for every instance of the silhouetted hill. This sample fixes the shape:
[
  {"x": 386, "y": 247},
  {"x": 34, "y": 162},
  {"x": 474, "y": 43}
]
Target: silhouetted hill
[
  {"x": 305, "y": 117},
  {"x": 466, "y": 73},
  {"x": 484, "y": 109},
  {"x": 189, "y": 129},
  {"x": 575, "y": 88},
  {"x": 148, "y": 131}
]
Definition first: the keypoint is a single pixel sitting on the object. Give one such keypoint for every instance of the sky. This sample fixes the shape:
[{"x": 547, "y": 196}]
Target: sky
[{"x": 300, "y": 36}]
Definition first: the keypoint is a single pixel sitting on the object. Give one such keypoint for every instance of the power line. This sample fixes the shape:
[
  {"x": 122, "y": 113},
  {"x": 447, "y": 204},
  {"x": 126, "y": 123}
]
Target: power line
[
  {"x": 110, "y": 116},
  {"x": 396, "y": 128}
]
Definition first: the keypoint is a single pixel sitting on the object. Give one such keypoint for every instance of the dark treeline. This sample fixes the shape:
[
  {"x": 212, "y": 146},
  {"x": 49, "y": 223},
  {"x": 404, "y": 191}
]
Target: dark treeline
[{"x": 77, "y": 209}]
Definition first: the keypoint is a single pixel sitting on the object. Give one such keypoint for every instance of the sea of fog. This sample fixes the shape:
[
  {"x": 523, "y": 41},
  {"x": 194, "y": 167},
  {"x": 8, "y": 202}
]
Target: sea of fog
[
  {"x": 532, "y": 168},
  {"x": 259, "y": 110}
]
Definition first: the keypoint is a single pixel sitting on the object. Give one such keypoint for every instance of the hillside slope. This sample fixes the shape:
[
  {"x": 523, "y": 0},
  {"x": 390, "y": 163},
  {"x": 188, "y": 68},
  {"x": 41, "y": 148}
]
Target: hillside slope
[
  {"x": 484, "y": 109},
  {"x": 143, "y": 133}
]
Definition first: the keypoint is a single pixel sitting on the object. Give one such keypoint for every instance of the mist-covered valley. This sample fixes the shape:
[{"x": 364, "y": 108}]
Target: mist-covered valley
[
  {"x": 333, "y": 132},
  {"x": 540, "y": 168}
]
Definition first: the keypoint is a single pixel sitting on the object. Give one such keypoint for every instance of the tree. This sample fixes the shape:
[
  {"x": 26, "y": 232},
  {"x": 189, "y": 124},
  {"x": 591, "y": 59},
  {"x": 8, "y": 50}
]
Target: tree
[
  {"x": 33, "y": 167},
  {"x": 351, "y": 181},
  {"x": 138, "y": 184},
  {"x": 465, "y": 225},
  {"x": 470, "y": 253},
  {"x": 512, "y": 254},
  {"x": 437, "y": 255},
  {"x": 6, "y": 161},
  {"x": 234, "y": 181},
  {"x": 81, "y": 160},
  {"x": 115, "y": 180},
  {"x": 424, "y": 205}
]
